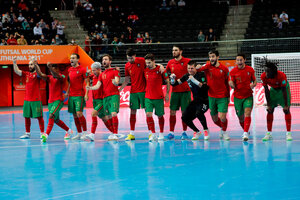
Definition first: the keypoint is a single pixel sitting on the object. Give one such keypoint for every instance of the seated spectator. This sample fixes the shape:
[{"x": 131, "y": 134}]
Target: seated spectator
[
  {"x": 96, "y": 28},
  {"x": 122, "y": 39},
  {"x": 22, "y": 5},
  {"x": 21, "y": 18},
  {"x": 6, "y": 25},
  {"x": 6, "y": 16},
  {"x": 210, "y": 35},
  {"x": 285, "y": 19},
  {"x": 147, "y": 38},
  {"x": 105, "y": 42},
  {"x": 115, "y": 47},
  {"x": 88, "y": 7},
  {"x": 37, "y": 31},
  {"x": 3, "y": 42},
  {"x": 58, "y": 40},
  {"x": 201, "y": 36},
  {"x": 31, "y": 23},
  {"x": 46, "y": 31},
  {"x": 164, "y": 6},
  {"x": 53, "y": 42},
  {"x": 139, "y": 39},
  {"x": 129, "y": 35},
  {"x": 73, "y": 42},
  {"x": 172, "y": 4},
  {"x": 36, "y": 42},
  {"x": 22, "y": 41},
  {"x": 12, "y": 40},
  {"x": 43, "y": 40},
  {"x": 60, "y": 29},
  {"x": 104, "y": 27},
  {"x": 96, "y": 42},
  {"x": 87, "y": 43},
  {"x": 54, "y": 24},
  {"x": 42, "y": 24},
  {"x": 16, "y": 25},
  {"x": 133, "y": 18},
  {"x": 275, "y": 19},
  {"x": 181, "y": 3},
  {"x": 280, "y": 24}
]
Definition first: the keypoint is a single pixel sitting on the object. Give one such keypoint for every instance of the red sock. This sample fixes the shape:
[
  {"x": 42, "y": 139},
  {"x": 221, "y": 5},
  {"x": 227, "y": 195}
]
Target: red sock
[
  {"x": 172, "y": 122},
  {"x": 94, "y": 124},
  {"x": 247, "y": 124},
  {"x": 62, "y": 125},
  {"x": 83, "y": 123},
  {"x": 50, "y": 126},
  {"x": 288, "y": 121},
  {"x": 132, "y": 121},
  {"x": 115, "y": 124},
  {"x": 150, "y": 123},
  {"x": 27, "y": 124},
  {"x": 269, "y": 121},
  {"x": 218, "y": 123},
  {"x": 161, "y": 121},
  {"x": 224, "y": 125},
  {"x": 243, "y": 124},
  {"x": 77, "y": 123},
  {"x": 108, "y": 125},
  {"x": 184, "y": 126},
  {"x": 41, "y": 124}
]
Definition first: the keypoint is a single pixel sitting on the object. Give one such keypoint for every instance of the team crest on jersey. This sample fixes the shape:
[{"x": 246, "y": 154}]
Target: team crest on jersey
[
  {"x": 248, "y": 73},
  {"x": 181, "y": 64},
  {"x": 77, "y": 72},
  {"x": 138, "y": 65},
  {"x": 33, "y": 75},
  {"x": 221, "y": 70},
  {"x": 157, "y": 72}
]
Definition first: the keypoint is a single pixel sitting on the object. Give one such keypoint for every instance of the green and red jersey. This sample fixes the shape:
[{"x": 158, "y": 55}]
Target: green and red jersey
[
  {"x": 136, "y": 72},
  {"x": 32, "y": 87},
  {"x": 77, "y": 75},
  {"x": 106, "y": 77},
  {"x": 278, "y": 81},
  {"x": 154, "y": 82},
  {"x": 56, "y": 88}
]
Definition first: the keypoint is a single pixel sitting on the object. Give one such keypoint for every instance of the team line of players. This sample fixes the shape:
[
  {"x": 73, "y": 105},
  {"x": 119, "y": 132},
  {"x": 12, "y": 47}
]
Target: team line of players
[{"x": 209, "y": 84}]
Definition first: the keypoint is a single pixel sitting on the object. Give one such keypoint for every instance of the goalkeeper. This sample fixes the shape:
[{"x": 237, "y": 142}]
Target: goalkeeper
[{"x": 278, "y": 94}]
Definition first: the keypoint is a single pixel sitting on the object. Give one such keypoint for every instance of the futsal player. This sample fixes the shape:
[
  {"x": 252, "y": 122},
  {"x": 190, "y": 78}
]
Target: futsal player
[{"x": 242, "y": 80}]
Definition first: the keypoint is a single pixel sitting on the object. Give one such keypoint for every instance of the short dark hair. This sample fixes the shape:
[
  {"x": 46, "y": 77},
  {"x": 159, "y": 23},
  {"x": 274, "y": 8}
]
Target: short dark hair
[
  {"x": 192, "y": 62},
  {"x": 216, "y": 52},
  {"x": 130, "y": 52},
  {"x": 241, "y": 55},
  {"x": 150, "y": 56},
  {"x": 178, "y": 46},
  {"x": 107, "y": 55},
  {"x": 77, "y": 56}
]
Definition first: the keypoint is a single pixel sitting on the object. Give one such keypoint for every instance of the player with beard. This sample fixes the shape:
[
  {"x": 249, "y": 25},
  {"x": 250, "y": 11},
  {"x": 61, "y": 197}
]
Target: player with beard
[
  {"x": 32, "y": 107},
  {"x": 199, "y": 105},
  {"x": 55, "y": 102},
  {"x": 77, "y": 95},
  {"x": 279, "y": 93},
  {"x": 154, "y": 97},
  {"x": 97, "y": 103},
  {"x": 110, "y": 79},
  {"x": 181, "y": 95},
  {"x": 242, "y": 80},
  {"x": 217, "y": 76}
]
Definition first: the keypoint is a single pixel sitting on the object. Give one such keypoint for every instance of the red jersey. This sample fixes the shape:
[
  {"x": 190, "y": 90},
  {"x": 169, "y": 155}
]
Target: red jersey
[
  {"x": 179, "y": 68},
  {"x": 279, "y": 81},
  {"x": 32, "y": 87},
  {"x": 106, "y": 77},
  {"x": 242, "y": 79},
  {"x": 136, "y": 72},
  {"x": 217, "y": 80},
  {"x": 56, "y": 88},
  {"x": 77, "y": 76},
  {"x": 154, "y": 81},
  {"x": 97, "y": 94}
]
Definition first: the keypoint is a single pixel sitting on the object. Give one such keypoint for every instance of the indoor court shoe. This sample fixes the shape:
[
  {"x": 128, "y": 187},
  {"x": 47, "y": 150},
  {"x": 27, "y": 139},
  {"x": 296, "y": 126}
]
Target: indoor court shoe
[
  {"x": 184, "y": 136},
  {"x": 245, "y": 136},
  {"x": 41, "y": 135},
  {"x": 170, "y": 136},
  {"x": 289, "y": 136},
  {"x": 152, "y": 137},
  {"x": 25, "y": 136},
  {"x": 267, "y": 137},
  {"x": 44, "y": 137},
  {"x": 225, "y": 136},
  {"x": 130, "y": 137},
  {"x": 113, "y": 137},
  {"x": 68, "y": 134},
  {"x": 90, "y": 137},
  {"x": 196, "y": 136},
  {"x": 83, "y": 135},
  {"x": 161, "y": 136},
  {"x": 206, "y": 135},
  {"x": 77, "y": 137}
]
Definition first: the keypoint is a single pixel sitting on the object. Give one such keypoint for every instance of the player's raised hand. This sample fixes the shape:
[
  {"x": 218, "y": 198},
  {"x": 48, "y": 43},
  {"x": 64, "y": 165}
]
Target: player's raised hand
[
  {"x": 252, "y": 85},
  {"x": 172, "y": 75},
  {"x": 49, "y": 64},
  {"x": 15, "y": 59}
]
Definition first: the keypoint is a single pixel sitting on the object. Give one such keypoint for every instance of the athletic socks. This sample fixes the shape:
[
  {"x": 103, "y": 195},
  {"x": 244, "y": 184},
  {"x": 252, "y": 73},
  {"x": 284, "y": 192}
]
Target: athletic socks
[
  {"x": 202, "y": 120},
  {"x": 288, "y": 120},
  {"x": 247, "y": 123},
  {"x": 27, "y": 125},
  {"x": 50, "y": 126},
  {"x": 218, "y": 123},
  {"x": 94, "y": 124},
  {"x": 108, "y": 125},
  {"x": 132, "y": 121},
  {"x": 224, "y": 125},
  {"x": 62, "y": 125},
  {"x": 77, "y": 123},
  {"x": 41, "y": 124},
  {"x": 172, "y": 122},
  {"x": 150, "y": 123},
  {"x": 161, "y": 121},
  {"x": 83, "y": 123},
  {"x": 243, "y": 124},
  {"x": 269, "y": 121},
  {"x": 115, "y": 124},
  {"x": 184, "y": 126}
]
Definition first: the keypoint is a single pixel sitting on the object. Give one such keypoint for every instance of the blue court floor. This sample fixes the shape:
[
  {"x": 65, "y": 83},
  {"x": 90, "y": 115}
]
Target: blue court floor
[{"x": 141, "y": 170}]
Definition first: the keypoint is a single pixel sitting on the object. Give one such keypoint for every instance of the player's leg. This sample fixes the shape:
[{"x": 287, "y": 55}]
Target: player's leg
[
  {"x": 79, "y": 106},
  {"x": 134, "y": 105},
  {"x": 247, "y": 107},
  {"x": 149, "y": 112},
  {"x": 174, "y": 106},
  {"x": 185, "y": 100},
  {"x": 200, "y": 114},
  {"x": 287, "y": 112},
  {"x": 214, "y": 111},
  {"x": 27, "y": 115},
  {"x": 159, "y": 112},
  {"x": 270, "y": 110},
  {"x": 113, "y": 110},
  {"x": 222, "y": 104},
  {"x": 238, "y": 106},
  {"x": 188, "y": 116},
  {"x": 37, "y": 112},
  {"x": 72, "y": 109}
]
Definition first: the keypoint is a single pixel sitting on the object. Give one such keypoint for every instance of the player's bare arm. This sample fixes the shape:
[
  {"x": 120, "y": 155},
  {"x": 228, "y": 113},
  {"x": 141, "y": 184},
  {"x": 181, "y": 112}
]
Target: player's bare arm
[
  {"x": 16, "y": 68},
  {"x": 95, "y": 87},
  {"x": 87, "y": 82},
  {"x": 116, "y": 81},
  {"x": 168, "y": 90},
  {"x": 125, "y": 83},
  {"x": 38, "y": 69}
]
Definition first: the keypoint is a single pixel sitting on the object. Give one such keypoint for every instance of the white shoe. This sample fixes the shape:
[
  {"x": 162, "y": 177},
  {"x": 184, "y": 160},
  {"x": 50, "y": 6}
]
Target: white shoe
[
  {"x": 206, "y": 134},
  {"x": 112, "y": 137},
  {"x": 196, "y": 136},
  {"x": 90, "y": 137},
  {"x": 245, "y": 136},
  {"x": 77, "y": 137},
  {"x": 44, "y": 137},
  {"x": 267, "y": 137},
  {"x": 225, "y": 135},
  {"x": 41, "y": 134},
  {"x": 161, "y": 136},
  {"x": 25, "y": 136},
  {"x": 289, "y": 136},
  {"x": 83, "y": 135},
  {"x": 152, "y": 137},
  {"x": 68, "y": 134}
]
